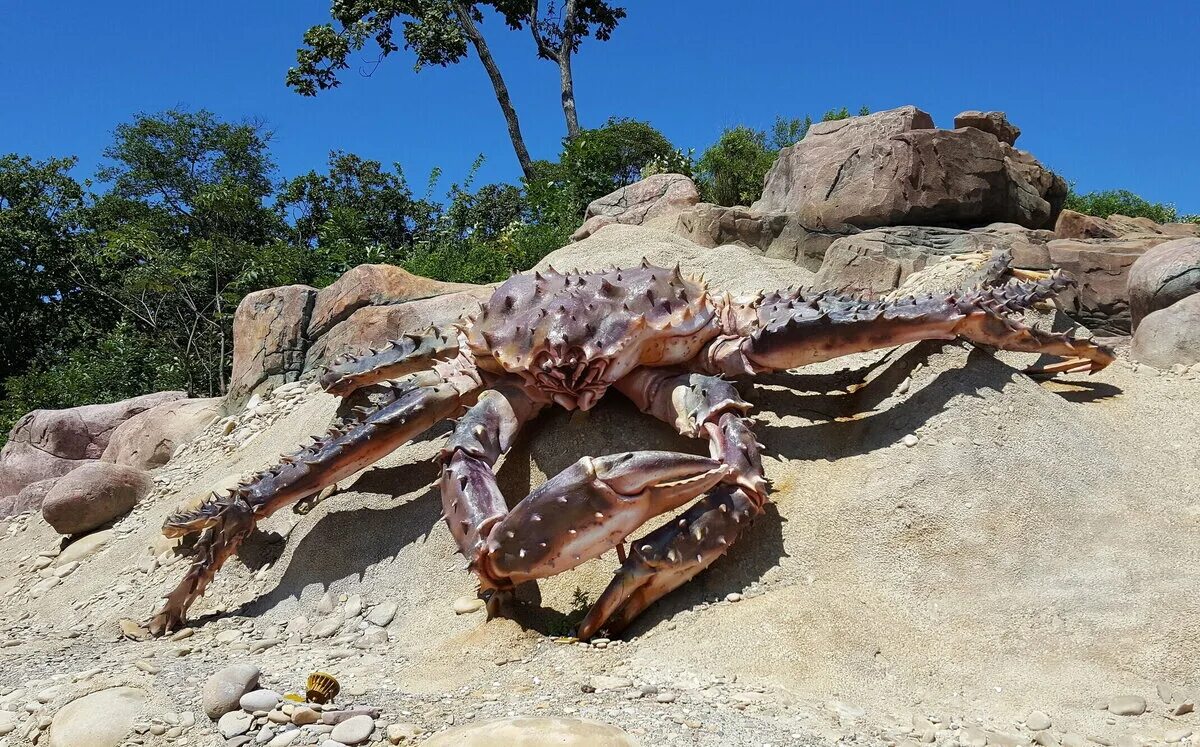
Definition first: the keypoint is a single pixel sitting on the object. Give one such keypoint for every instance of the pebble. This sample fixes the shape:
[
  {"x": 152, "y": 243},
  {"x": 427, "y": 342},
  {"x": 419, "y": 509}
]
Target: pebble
[
  {"x": 354, "y": 606},
  {"x": 1184, "y": 708},
  {"x": 910, "y": 440},
  {"x": 259, "y": 700},
  {"x": 336, "y": 717},
  {"x": 972, "y": 737},
  {"x": 397, "y": 733},
  {"x": 1037, "y": 721},
  {"x": 284, "y": 739},
  {"x": 602, "y": 682},
  {"x": 665, "y": 697},
  {"x": 225, "y": 688},
  {"x": 1177, "y": 735},
  {"x": 326, "y": 627},
  {"x": 1071, "y": 739},
  {"x": 382, "y": 614},
  {"x": 733, "y": 597},
  {"x": 304, "y": 716},
  {"x": 234, "y": 724},
  {"x": 355, "y": 730},
  {"x": 228, "y": 636},
  {"x": 1127, "y": 705},
  {"x": 467, "y": 605}
]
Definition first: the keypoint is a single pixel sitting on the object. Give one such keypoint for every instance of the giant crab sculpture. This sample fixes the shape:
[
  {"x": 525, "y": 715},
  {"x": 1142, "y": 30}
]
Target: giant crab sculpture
[{"x": 548, "y": 338}]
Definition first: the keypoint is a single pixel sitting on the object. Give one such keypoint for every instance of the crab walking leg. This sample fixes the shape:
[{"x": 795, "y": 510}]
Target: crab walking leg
[
  {"x": 226, "y": 521},
  {"x": 665, "y": 559},
  {"x": 399, "y": 357},
  {"x": 792, "y": 329}
]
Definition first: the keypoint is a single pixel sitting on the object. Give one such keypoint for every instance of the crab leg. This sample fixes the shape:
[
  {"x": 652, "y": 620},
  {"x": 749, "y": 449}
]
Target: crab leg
[
  {"x": 421, "y": 401},
  {"x": 402, "y": 356},
  {"x": 701, "y": 406},
  {"x": 789, "y": 330}
]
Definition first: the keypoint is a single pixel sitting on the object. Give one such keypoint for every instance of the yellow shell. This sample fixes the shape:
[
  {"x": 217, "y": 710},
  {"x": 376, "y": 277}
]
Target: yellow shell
[{"x": 322, "y": 687}]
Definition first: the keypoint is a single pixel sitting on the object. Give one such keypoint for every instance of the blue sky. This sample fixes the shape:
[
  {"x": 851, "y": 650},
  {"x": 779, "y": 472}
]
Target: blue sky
[{"x": 1105, "y": 92}]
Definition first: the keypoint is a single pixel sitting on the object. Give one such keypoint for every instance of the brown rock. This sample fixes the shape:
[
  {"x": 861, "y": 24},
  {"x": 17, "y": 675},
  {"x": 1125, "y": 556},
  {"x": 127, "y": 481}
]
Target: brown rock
[
  {"x": 30, "y": 498},
  {"x": 50, "y": 443},
  {"x": 1128, "y": 226},
  {"x": 995, "y": 123},
  {"x": 93, "y": 495},
  {"x": 1073, "y": 225},
  {"x": 1162, "y": 276},
  {"x": 1101, "y": 266},
  {"x": 269, "y": 338},
  {"x": 892, "y": 168},
  {"x": 371, "y": 285},
  {"x": 373, "y": 326},
  {"x": 148, "y": 440},
  {"x": 659, "y": 197},
  {"x": 777, "y": 235},
  {"x": 1170, "y": 336}
]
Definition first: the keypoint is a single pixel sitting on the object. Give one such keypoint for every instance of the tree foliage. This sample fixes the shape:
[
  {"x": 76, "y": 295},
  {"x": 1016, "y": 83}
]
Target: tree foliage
[
  {"x": 732, "y": 170},
  {"x": 1124, "y": 202}
]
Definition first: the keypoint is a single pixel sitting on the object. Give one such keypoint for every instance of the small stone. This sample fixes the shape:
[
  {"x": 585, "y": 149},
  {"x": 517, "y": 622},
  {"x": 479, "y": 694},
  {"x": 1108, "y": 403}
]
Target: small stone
[
  {"x": 228, "y": 636},
  {"x": 1037, "y": 721},
  {"x": 972, "y": 737},
  {"x": 354, "y": 606},
  {"x": 234, "y": 723},
  {"x": 1046, "y": 739},
  {"x": 382, "y": 614},
  {"x": 259, "y": 700},
  {"x": 1071, "y": 739},
  {"x": 602, "y": 682},
  {"x": 304, "y": 716},
  {"x": 397, "y": 733},
  {"x": 467, "y": 605},
  {"x": 733, "y": 597},
  {"x": 326, "y": 627},
  {"x": 667, "y": 697},
  {"x": 1183, "y": 708},
  {"x": 284, "y": 739},
  {"x": 279, "y": 717},
  {"x": 225, "y": 688},
  {"x": 354, "y": 730},
  {"x": 147, "y": 667},
  {"x": 333, "y": 718},
  {"x": 1127, "y": 705},
  {"x": 1176, "y": 735},
  {"x": 910, "y": 440}
]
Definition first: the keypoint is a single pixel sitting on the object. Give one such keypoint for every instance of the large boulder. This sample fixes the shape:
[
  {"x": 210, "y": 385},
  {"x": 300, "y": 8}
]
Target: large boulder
[
  {"x": 269, "y": 329},
  {"x": 894, "y": 168},
  {"x": 1073, "y": 225},
  {"x": 371, "y": 285},
  {"x": 1170, "y": 336},
  {"x": 373, "y": 326},
  {"x": 50, "y": 443},
  {"x": 148, "y": 439},
  {"x": 1100, "y": 300},
  {"x": 93, "y": 495},
  {"x": 655, "y": 198},
  {"x": 100, "y": 719},
  {"x": 995, "y": 123},
  {"x": 777, "y": 235},
  {"x": 1166, "y": 274},
  {"x": 29, "y": 499},
  {"x": 732, "y": 268}
]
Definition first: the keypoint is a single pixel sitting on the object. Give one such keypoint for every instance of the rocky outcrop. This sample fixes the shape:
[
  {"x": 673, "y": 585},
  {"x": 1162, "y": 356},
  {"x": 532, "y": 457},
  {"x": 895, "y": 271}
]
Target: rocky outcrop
[
  {"x": 93, "y": 495},
  {"x": 148, "y": 439},
  {"x": 1170, "y": 336},
  {"x": 778, "y": 235},
  {"x": 994, "y": 123},
  {"x": 269, "y": 329},
  {"x": 1073, "y": 225},
  {"x": 1100, "y": 300},
  {"x": 658, "y": 197},
  {"x": 894, "y": 168},
  {"x": 50, "y": 443},
  {"x": 371, "y": 285},
  {"x": 373, "y": 326},
  {"x": 1163, "y": 276}
]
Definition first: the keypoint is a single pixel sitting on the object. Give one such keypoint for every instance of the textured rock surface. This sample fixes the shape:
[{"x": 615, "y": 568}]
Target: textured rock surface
[
  {"x": 655, "y": 198},
  {"x": 1170, "y": 336},
  {"x": 93, "y": 495},
  {"x": 533, "y": 732},
  {"x": 1162, "y": 276},
  {"x": 778, "y": 235},
  {"x": 30, "y": 498},
  {"x": 371, "y": 285},
  {"x": 50, "y": 443},
  {"x": 225, "y": 688},
  {"x": 1073, "y": 225},
  {"x": 148, "y": 439},
  {"x": 893, "y": 168},
  {"x": 995, "y": 123},
  {"x": 101, "y": 719},
  {"x": 373, "y": 326},
  {"x": 1101, "y": 267},
  {"x": 269, "y": 330}
]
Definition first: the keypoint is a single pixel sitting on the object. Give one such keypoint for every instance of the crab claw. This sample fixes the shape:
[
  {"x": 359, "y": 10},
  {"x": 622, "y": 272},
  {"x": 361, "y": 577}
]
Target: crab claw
[{"x": 590, "y": 508}]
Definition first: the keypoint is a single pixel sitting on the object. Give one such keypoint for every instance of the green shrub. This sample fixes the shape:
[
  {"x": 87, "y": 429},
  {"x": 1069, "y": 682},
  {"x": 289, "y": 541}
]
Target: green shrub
[
  {"x": 1121, "y": 202},
  {"x": 732, "y": 170}
]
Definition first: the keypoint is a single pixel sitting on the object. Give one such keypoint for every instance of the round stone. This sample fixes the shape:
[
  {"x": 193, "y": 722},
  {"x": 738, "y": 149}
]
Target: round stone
[
  {"x": 353, "y": 730},
  {"x": 467, "y": 605},
  {"x": 1127, "y": 705},
  {"x": 101, "y": 719},
  {"x": 234, "y": 724},
  {"x": 1037, "y": 721},
  {"x": 225, "y": 688},
  {"x": 532, "y": 732},
  {"x": 259, "y": 700}
]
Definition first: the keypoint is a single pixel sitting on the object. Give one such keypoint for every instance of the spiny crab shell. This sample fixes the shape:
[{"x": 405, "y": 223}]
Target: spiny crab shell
[{"x": 572, "y": 335}]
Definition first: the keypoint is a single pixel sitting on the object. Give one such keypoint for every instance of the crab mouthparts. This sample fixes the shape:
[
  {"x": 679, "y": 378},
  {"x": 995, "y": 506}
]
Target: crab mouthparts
[{"x": 573, "y": 379}]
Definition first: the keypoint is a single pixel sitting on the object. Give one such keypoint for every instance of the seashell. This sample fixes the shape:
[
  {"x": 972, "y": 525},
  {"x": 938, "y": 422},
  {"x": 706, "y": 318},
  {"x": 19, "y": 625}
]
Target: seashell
[{"x": 322, "y": 687}]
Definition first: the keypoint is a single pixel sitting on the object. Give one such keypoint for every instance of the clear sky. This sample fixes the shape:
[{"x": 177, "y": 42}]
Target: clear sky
[{"x": 1106, "y": 93}]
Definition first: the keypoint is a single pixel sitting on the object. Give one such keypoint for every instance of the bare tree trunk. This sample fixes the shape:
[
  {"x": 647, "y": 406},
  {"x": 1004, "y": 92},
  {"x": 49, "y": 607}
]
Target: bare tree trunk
[
  {"x": 463, "y": 14},
  {"x": 560, "y": 57},
  {"x": 568, "y": 94}
]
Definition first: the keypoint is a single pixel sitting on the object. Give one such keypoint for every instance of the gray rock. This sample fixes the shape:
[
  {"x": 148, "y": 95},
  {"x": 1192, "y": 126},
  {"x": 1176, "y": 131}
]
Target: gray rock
[
  {"x": 259, "y": 700},
  {"x": 224, "y": 689},
  {"x": 660, "y": 197},
  {"x": 234, "y": 724},
  {"x": 354, "y": 730},
  {"x": 1164, "y": 275},
  {"x": 1170, "y": 336},
  {"x": 100, "y": 719},
  {"x": 382, "y": 614},
  {"x": 995, "y": 123},
  {"x": 1127, "y": 705}
]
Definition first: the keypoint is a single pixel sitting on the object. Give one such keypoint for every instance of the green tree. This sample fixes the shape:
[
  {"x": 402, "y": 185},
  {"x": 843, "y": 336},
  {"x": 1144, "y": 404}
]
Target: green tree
[
  {"x": 1122, "y": 202},
  {"x": 732, "y": 170},
  {"x": 40, "y": 209},
  {"x": 597, "y": 162}
]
